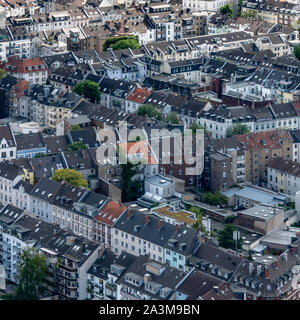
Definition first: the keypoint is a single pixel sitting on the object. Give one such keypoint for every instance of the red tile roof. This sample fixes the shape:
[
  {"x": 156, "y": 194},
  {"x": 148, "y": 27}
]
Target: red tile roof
[
  {"x": 20, "y": 87},
  {"x": 264, "y": 140},
  {"x": 110, "y": 213},
  {"x": 21, "y": 65},
  {"x": 140, "y": 147},
  {"x": 139, "y": 95}
]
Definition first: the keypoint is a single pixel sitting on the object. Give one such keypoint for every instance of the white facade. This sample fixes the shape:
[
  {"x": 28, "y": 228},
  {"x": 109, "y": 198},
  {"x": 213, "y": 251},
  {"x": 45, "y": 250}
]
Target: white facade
[
  {"x": 6, "y": 189},
  {"x": 122, "y": 241},
  {"x": 204, "y": 5},
  {"x": 7, "y": 152},
  {"x": 12, "y": 246}
]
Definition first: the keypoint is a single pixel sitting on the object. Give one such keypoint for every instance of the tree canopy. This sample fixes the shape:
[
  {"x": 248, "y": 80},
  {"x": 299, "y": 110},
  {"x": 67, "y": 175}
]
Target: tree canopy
[
  {"x": 122, "y": 42},
  {"x": 88, "y": 89},
  {"x": 194, "y": 126},
  {"x": 2, "y": 74},
  {"x": 76, "y": 127},
  {"x": 225, "y": 238},
  {"x": 131, "y": 189},
  {"x": 172, "y": 118},
  {"x": 214, "y": 198},
  {"x": 237, "y": 129},
  {"x": 150, "y": 111},
  {"x": 297, "y": 51},
  {"x": 227, "y": 10},
  {"x": 71, "y": 176},
  {"x": 31, "y": 276},
  {"x": 77, "y": 145}
]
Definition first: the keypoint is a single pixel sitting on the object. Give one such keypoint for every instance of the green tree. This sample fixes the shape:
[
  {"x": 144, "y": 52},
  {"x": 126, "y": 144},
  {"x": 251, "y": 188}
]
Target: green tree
[
  {"x": 194, "y": 126},
  {"x": 214, "y": 198},
  {"x": 131, "y": 189},
  {"x": 77, "y": 145},
  {"x": 297, "y": 51},
  {"x": 237, "y": 129},
  {"x": 2, "y": 74},
  {"x": 172, "y": 118},
  {"x": 229, "y": 219},
  {"x": 40, "y": 155},
  {"x": 31, "y": 275},
  {"x": 122, "y": 42},
  {"x": 88, "y": 89},
  {"x": 226, "y": 10},
  {"x": 71, "y": 176},
  {"x": 240, "y": 7},
  {"x": 76, "y": 127},
  {"x": 225, "y": 238},
  {"x": 150, "y": 111},
  {"x": 199, "y": 216}
]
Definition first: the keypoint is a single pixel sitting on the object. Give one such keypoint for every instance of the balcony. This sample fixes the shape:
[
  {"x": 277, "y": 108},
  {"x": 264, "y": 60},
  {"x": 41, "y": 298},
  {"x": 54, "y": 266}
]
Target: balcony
[
  {"x": 69, "y": 266},
  {"x": 130, "y": 295}
]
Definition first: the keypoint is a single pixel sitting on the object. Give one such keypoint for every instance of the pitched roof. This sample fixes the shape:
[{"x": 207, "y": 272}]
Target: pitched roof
[{"x": 110, "y": 213}]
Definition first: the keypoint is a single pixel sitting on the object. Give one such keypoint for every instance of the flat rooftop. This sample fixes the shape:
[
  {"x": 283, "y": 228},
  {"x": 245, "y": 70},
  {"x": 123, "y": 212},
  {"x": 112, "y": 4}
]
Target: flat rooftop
[
  {"x": 258, "y": 195},
  {"x": 261, "y": 212},
  {"x": 180, "y": 216}
]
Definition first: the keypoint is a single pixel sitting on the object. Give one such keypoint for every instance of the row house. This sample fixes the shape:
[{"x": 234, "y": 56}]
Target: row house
[
  {"x": 46, "y": 105},
  {"x": 10, "y": 175},
  {"x": 138, "y": 233},
  {"x": 11, "y": 45},
  {"x": 267, "y": 279},
  {"x": 104, "y": 273},
  {"x": 217, "y": 120},
  {"x": 260, "y": 148},
  {"x": 12, "y": 239},
  {"x": 285, "y": 13},
  {"x": 68, "y": 257},
  {"x": 8, "y": 146},
  {"x": 104, "y": 221},
  {"x": 283, "y": 176},
  {"x": 74, "y": 256},
  {"x": 32, "y": 70}
]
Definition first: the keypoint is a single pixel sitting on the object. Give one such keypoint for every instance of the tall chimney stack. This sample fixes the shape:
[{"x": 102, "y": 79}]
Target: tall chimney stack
[
  {"x": 129, "y": 213},
  {"x": 267, "y": 273},
  {"x": 159, "y": 224},
  {"x": 147, "y": 219}
]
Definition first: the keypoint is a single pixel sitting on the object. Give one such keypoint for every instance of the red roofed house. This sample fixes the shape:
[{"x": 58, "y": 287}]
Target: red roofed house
[
  {"x": 32, "y": 70},
  {"x": 137, "y": 97},
  {"x": 105, "y": 220}
]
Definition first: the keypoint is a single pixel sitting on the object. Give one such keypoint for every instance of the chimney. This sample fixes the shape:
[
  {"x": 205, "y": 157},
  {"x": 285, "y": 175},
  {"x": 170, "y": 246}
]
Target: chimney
[
  {"x": 250, "y": 268},
  {"x": 276, "y": 264},
  {"x": 267, "y": 273},
  {"x": 294, "y": 249},
  {"x": 259, "y": 268},
  {"x": 129, "y": 213},
  {"x": 147, "y": 277},
  {"x": 216, "y": 289},
  {"x": 147, "y": 219},
  {"x": 40, "y": 163},
  {"x": 159, "y": 224},
  {"x": 177, "y": 227}
]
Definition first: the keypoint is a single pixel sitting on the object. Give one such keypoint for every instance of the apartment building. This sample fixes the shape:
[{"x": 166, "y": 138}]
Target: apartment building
[
  {"x": 8, "y": 146},
  {"x": 32, "y": 70},
  {"x": 260, "y": 148},
  {"x": 284, "y": 176},
  {"x": 138, "y": 233},
  {"x": 10, "y": 175}
]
